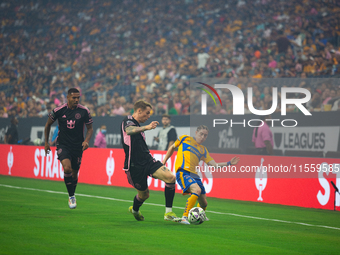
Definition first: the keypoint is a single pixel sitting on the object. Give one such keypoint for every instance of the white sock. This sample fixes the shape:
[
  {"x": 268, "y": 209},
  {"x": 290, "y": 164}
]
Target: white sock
[{"x": 168, "y": 209}]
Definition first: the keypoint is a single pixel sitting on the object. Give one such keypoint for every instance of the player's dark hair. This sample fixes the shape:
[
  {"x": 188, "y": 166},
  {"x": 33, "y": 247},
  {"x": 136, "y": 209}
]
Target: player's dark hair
[
  {"x": 166, "y": 116},
  {"x": 141, "y": 104},
  {"x": 202, "y": 127},
  {"x": 72, "y": 90}
]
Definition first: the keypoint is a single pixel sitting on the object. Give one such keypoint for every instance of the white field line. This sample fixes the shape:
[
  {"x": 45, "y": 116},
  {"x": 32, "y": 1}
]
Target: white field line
[{"x": 129, "y": 201}]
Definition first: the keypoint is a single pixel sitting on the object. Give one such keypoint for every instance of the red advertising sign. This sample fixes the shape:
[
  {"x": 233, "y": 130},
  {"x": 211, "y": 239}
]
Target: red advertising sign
[{"x": 295, "y": 181}]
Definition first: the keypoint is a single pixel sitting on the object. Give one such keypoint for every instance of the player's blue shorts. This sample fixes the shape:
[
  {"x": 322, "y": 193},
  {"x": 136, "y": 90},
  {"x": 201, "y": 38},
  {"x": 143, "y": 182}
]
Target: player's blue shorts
[{"x": 185, "y": 179}]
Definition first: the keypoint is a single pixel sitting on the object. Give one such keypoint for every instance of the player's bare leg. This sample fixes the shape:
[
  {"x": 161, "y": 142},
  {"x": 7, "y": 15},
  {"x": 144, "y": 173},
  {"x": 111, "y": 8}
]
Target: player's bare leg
[
  {"x": 164, "y": 174},
  {"x": 202, "y": 202}
]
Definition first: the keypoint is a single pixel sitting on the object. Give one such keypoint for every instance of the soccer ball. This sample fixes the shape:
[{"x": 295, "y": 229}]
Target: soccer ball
[
  {"x": 196, "y": 215},
  {"x": 37, "y": 141}
]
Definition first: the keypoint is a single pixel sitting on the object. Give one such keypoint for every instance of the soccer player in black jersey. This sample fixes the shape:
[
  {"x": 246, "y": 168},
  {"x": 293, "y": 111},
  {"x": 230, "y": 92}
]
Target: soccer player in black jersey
[
  {"x": 72, "y": 117},
  {"x": 139, "y": 163}
]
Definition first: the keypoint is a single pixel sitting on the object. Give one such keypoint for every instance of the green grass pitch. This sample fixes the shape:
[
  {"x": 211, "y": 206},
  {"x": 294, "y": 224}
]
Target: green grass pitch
[{"x": 33, "y": 221}]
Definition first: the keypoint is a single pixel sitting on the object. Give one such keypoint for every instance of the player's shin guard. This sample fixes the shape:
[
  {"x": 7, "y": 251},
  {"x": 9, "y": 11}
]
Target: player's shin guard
[
  {"x": 137, "y": 202},
  {"x": 169, "y": 193},
  {"x": 75, "y": 182},
  {"x": 190, "y": 203},
  {"x": 69, "y": 184}
]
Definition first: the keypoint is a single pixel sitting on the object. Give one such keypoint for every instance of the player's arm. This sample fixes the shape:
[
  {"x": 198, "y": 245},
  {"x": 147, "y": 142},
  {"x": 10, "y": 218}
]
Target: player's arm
[
  {"x": 170, "y": 144},
  {"x": 47, "y": 135},
  {"x": 132, "y": 130},
  {"x": 233, "y": 161},
  {"x": 169, "y": 153},
  {"x": 89, "y": 132}
]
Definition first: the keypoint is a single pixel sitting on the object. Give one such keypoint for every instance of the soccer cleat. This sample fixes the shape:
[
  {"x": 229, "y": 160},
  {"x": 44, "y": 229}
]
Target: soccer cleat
[
  {"x": 204, "y": 216},
  {"x": 185, "y": 220},
  {"x": 138, "y": 215},
  {"x": 72, "y": 203},
  {"x": 171, "y": 216}
]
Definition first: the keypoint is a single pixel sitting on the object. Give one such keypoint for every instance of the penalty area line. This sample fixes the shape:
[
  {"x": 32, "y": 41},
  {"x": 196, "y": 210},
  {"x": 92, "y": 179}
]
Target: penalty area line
[{"x": 177, "y": 207}]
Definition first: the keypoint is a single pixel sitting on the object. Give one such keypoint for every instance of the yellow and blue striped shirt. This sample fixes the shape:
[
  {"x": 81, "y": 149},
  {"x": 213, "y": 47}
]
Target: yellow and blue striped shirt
[{"x": 190, "y": 153}]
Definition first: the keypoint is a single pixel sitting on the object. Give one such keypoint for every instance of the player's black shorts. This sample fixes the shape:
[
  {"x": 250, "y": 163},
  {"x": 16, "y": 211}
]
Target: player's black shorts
[
  {"x": 138, "y": 175},
  {"x": 73, "y": 155}
]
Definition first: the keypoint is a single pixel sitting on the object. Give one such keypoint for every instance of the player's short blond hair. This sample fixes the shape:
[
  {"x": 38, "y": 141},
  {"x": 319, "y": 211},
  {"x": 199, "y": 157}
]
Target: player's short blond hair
[{"x": 202, "y": 127}]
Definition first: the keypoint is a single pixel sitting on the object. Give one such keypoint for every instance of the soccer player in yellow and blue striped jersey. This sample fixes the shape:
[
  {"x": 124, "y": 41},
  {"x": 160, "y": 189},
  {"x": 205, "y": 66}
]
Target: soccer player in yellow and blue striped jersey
[{"x": 190, "y": 153}]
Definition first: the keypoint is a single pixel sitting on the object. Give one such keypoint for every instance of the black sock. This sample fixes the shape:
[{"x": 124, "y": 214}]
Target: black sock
[
  {"x": 69, "y": 184},
  {"x": 169, "y": 193},
  {"x": 74, "y": 182},
  {"x": 137, "y": 202}
]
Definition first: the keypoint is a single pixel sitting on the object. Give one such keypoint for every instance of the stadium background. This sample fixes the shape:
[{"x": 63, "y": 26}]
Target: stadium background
[{"x": 118, "y": 52}]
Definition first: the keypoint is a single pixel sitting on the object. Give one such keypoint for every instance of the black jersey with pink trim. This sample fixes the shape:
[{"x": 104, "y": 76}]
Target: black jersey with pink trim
[
  {"x": 135, "y": 148},
  {"x": 71, "y": 125}
]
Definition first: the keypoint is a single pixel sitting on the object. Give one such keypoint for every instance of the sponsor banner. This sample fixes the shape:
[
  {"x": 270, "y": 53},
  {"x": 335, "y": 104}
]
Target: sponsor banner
[
  {"x": 104, "y": 167},
  {"x": 234, "y": 133},
  {"x": 306, "y": 138},
  {"x": 319, "y": 132}
]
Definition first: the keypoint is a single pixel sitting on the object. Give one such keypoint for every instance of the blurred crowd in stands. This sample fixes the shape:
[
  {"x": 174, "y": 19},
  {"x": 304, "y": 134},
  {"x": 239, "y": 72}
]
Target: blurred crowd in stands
[{"x": 116, "y": 52}]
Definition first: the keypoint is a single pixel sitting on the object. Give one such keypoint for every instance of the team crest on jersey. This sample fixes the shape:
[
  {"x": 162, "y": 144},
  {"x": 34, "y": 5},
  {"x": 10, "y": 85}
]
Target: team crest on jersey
[
  {"x": 201, "y": 150},
  {"x": 71, "y": 124},
  {"x": 59, "y": 151},
  {"x": 78, "y": 116}
]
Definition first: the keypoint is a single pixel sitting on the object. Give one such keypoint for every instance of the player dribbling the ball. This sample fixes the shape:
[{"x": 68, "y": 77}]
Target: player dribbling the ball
[
  {"x": 190, "y": 153},
  {"x": 139, "y": 163}
]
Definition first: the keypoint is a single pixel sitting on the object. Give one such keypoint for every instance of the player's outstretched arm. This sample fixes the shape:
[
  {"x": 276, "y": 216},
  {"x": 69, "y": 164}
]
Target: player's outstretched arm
[
  {"x": 233, "y": 161},
  {"x": 169, "y": 153},
  {"x": 47, "y": 135},
  {"x": 132, "y": 130}
]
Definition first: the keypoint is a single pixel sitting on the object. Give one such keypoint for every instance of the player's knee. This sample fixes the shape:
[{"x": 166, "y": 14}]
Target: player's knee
[
  {"x": 67, "y": 169},
  {"x": 171, "y": 179},
  {"x": 144, "y": 196},
  {"x": 204, "y": 204},
  {"x": 195, "y": 189}
]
